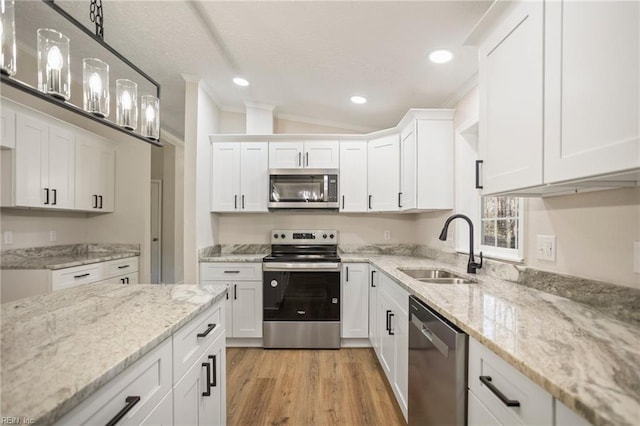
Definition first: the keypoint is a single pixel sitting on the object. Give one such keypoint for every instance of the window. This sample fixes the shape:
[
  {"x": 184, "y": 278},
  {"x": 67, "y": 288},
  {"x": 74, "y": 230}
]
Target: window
[{"x": 501, "y": 227}]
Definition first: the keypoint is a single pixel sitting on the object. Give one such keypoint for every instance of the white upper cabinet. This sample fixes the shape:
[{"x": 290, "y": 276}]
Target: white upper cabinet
[
  {"x": 353, "y": 176},
  {"x": 309, "y": 154},
  {"x": 7, "y": 127},
  {"x": 239, "y": 177},
  {"x": 408, "y": 163},
  {"x": 592, "y": 88},
  {"x": 511, "y": 89},
  {"x": 44, "y": 164},
  {"x": 95, "y": 175},
  {"x": 384, "y": 173}
]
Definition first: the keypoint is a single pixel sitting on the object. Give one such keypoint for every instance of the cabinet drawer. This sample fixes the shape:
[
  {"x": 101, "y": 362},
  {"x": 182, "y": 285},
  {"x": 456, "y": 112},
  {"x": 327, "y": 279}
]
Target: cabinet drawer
[
  {"x": 230, "y": 271},
  {"x": 187, "y": 346},
  {"x": 131, "y": 278},
  {"x": 149, "y": 378},
  {"x": 536, "y": 405},
  {"x": 79, "y": 275},
  {"x": 113, "y": 268}
]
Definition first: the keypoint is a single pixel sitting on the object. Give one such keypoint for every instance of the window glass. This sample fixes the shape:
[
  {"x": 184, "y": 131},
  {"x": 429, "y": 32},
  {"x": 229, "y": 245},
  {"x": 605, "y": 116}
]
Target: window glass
[{"x": 501, "y": 222}]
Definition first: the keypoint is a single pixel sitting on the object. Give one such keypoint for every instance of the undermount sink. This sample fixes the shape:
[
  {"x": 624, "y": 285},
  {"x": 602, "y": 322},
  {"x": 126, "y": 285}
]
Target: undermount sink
[{"x": 435, "y": 276}]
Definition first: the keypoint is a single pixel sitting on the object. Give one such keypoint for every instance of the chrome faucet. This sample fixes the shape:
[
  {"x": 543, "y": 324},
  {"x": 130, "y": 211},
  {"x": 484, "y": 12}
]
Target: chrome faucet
[{"x": 471, "y": 264}]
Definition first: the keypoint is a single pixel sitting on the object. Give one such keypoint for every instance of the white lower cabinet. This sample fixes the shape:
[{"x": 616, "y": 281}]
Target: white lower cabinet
[
  {"x": 374, "y": 332},
  {"x": 393, "y": 344},
  {"x": 180, "y": 382},
  {"x": 355, "y": 306},
  {"x": 244, "y": 295}
]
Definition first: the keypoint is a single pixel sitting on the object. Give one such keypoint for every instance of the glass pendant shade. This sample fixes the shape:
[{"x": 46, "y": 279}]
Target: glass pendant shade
[
  {"x": 8, "y": 37},
  {"x": 150, "y": 112},
  {"x": 95, "y": 86},
  {"x": 126, "y": 104},
  {"x": 54, "y": 77}
]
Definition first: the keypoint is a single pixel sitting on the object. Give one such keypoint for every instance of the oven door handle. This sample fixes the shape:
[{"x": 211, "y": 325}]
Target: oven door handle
[{"x": 302, "y": 267}]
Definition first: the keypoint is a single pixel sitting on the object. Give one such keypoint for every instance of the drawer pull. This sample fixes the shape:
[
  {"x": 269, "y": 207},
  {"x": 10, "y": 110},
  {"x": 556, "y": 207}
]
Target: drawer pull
[
  {"x": 231, "y": 272},
  {"x": 391, "y": 315},
  {"x": 208, "y": 330},
  {"x": 81, "y": 275},
  {"x": 208, "y": 368},
  {"x": 372, "y": 282},
  {"x": 131, "y": 402},
  {"x": 123, "y": 266},
  {"x": 486, "y": 380},
  {"x": 214, "y": 382}
]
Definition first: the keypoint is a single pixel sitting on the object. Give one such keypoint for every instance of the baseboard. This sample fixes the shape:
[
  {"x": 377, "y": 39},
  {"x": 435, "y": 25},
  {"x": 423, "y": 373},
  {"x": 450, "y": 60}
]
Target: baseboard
[
  {"x": 355, "y": 343},
  {"x": 237, "y": 342}
]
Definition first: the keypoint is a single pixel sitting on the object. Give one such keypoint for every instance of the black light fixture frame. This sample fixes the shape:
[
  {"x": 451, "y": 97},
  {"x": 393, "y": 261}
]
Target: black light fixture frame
[{"x": 69, "y": 106}]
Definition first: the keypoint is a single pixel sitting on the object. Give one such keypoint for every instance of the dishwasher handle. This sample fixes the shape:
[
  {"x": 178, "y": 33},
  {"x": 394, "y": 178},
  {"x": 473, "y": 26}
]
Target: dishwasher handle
[{"x": 426, "y": 332}]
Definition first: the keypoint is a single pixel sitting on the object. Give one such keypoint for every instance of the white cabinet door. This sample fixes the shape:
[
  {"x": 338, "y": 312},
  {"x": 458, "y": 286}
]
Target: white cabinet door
[
  {"x": 95, "y": 175},
  {"x": 322, "y": 154},
  {"x": 285, "y": 155},
  {"x": 214, "y": 411},
  {"x": 189, "y": 394},
  {"x": 247, "y": 308},
  {"x": 355, "y": 300},
  {"x": 400, "y": 327},
  {"x": 7, "y": 127},
  {"x": 353, "y": 176},
  {"x": 374, "y": 328},
  {"x": 62, "y": 176},
  {"x": 478, "y": 414},
  {"x": 31, "y": 161},
  {"x": 511, "y": 101},
  {"x": 435, "y": 164},
  {"x": 162, "y": 414},
  {"x": 254, "y": 176},
  {"x": 408, "y": 168},
  {"x": 387, "y": 347},
  {"x": 384, "y": 173},
  {"x": 225, "y": 178},
  {"x": 592, "y": 88}
]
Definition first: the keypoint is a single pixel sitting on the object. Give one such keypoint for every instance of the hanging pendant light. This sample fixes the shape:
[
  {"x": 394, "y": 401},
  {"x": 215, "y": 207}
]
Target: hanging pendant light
[
  {"x": 7, "y": 37},
  {"x": 126, "y": 104},
  {"x": 95, "y": 83},
  {"x": 54, "y": 77},
  {"x": 150, "y": 111}
]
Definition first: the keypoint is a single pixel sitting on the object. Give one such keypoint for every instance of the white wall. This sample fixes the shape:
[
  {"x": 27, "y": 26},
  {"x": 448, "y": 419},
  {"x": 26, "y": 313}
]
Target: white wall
[
  {"x": 31, "y": 228},
  {"x": 234, "y": 123}
]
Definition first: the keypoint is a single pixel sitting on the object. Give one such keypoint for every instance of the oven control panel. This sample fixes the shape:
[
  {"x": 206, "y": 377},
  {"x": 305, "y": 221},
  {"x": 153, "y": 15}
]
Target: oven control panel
[{"x": 304, "y": 236}]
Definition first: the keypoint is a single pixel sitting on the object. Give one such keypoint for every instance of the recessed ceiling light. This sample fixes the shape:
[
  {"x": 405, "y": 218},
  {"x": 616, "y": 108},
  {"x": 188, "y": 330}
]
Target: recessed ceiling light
[
  {"x": 240, "y": 81},
  {"x": 358, "y": 99},
  {"x": 440, "y": 56}
]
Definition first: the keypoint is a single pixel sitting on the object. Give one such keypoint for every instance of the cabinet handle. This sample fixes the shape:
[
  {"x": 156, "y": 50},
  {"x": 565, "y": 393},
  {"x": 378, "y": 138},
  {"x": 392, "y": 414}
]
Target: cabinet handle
[
  {"x": 243, "y": 202},
  {"x": 235, "y": 292},
  {"x": 486, "y": 380},
  {"x": 370, "y": 196},
  {"x": 343, "y": 202},
  {"x": 95, "y": 201},
  {"x": 299, "y": 159},
  {"x": 347, "y": 277},
  {"x": 372, "y": 284},
  {"x": 122, "y": 281},
  {"x": 46, "y": 195},
  {"x": 131, "y": 402},
  {"x": 478, "y": 162},
  {"x": 214, "y": 383},
  {"x": 235, "y": 202},
  {"x": 399, "y": 199},
  {"x": 55, "y": 197},
  {"x": 81, "y": 275},
  {"x": 388, "y": 321},
  {"x": 209, "y": 329},
  {"x": 208, "y": 368},
  {"x": 307, "y": 157},
  {"x": 391, "y": 333},
  {"x": 127, "y": 278},
  {"x": 100, "y": 198},
  {"x": 123, "y": 266},
  {"x": 231, "y": 272}
]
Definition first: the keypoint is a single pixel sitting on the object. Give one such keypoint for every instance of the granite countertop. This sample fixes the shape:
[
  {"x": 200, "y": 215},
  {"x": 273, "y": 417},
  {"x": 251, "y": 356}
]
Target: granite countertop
[
  {"x": 233, "y": 258},
  {"x": 586, "y": 359},
  {"x": 59, "y": 348},
  {"x": 65, "y": 256}
]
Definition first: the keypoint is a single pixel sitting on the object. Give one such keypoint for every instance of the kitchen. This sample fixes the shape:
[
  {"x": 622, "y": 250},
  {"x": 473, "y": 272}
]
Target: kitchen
[{"x": 593, "y": 232}]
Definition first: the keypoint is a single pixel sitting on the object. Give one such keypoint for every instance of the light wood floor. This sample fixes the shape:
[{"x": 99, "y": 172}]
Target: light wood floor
[{"x": 308, "y": 387}]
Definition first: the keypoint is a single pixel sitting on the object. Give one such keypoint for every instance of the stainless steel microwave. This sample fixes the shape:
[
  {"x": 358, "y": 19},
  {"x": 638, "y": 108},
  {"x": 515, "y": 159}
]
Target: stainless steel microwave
[{"x": 303, "y": 189}]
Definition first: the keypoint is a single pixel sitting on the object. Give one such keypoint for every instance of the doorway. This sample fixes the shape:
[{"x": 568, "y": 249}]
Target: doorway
[{"x": 156, "y": 231}]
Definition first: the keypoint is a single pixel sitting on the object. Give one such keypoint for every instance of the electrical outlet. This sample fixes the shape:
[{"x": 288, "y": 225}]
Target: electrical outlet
[
  {"x": 636, "y": 257},
  {"x": 8, "y": 237},
  {"x": 387, "y": 235},
  {"x": 52, "y": 236},
  {"x": 546, "y": 248}
]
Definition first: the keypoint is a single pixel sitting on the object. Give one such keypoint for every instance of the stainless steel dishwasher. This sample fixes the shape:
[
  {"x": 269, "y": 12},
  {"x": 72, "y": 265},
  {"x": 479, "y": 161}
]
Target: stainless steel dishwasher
[{"x": 437, "y": 368}]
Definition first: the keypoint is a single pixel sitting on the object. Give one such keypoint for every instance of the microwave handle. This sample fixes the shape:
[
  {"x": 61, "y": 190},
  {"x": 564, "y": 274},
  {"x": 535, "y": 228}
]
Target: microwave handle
[
  {"x": 307, "y": 158},
  {"x": 299, "y": 159}
]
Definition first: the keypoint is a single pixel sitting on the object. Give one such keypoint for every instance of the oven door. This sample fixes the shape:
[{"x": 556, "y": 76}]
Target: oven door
[{"x": 298, "y": 295}]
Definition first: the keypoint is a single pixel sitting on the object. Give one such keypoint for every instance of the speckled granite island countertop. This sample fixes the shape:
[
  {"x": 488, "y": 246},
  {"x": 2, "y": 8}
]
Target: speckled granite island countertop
[
  {"x": 65, "y": 256},
  {"x": 587, "y": 360},
  {"x": 59, "y": 348}
]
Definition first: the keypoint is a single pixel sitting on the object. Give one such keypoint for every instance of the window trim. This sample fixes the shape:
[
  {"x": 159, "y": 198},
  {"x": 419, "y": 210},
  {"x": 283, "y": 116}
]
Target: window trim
[{"x": 502, "y": 253}]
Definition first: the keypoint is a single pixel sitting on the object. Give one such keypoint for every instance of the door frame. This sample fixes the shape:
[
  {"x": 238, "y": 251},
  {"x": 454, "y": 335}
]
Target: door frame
[{"x": 157, "y": 206}]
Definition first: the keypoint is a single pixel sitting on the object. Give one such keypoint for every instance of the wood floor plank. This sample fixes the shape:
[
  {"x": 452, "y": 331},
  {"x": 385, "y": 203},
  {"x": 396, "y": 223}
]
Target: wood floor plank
[{"x": 308, "y": 387}]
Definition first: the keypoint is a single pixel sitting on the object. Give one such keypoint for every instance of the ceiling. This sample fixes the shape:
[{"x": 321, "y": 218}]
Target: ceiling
[{"x": 305, "y": 58}]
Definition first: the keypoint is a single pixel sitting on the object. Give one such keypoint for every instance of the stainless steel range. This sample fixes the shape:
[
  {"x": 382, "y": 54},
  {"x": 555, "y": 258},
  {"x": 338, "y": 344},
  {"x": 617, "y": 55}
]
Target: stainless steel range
[{"x": 301, "y": 298}]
